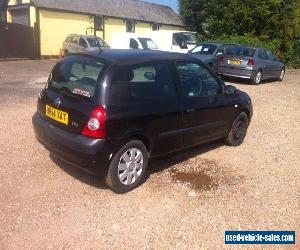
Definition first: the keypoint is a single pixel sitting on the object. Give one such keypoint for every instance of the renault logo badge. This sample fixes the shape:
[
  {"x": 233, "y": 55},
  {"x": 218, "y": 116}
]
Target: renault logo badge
[{"x": 57, "y": 102}]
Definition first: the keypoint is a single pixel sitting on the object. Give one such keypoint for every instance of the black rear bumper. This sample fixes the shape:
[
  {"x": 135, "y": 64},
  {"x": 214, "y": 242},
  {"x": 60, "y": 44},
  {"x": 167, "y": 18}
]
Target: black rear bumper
[{"x": 91, "y": 155}]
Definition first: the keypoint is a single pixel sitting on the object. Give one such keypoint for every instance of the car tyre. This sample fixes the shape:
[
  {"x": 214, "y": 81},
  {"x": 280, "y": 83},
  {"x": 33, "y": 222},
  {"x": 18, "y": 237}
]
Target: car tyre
[
  {"x": 128, "y": 167},
  {"x": 238, "y": 130},
  {"x": 281, "y": 76},
  {"x": 257, "y": 77}
]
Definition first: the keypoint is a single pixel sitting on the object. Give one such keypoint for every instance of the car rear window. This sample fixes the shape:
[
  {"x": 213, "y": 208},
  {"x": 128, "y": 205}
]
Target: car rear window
[
  {"x": 204, "y": 49},
  {"x": 241, "y": 51},
  {"x": 147, "y": 43},
  {"x": 96, "y": 42},
  {"x": 77, "y": 75}
]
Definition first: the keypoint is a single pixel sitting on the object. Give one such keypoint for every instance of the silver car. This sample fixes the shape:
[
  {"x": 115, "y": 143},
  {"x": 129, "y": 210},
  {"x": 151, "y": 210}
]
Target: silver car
[
  {"x": 78, "y": 44},
  {"x": 255, "y": 64}
]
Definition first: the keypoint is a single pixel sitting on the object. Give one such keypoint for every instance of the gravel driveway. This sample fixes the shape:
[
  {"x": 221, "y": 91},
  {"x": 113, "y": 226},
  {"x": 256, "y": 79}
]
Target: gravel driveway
[{"x": 189, "y": 199}]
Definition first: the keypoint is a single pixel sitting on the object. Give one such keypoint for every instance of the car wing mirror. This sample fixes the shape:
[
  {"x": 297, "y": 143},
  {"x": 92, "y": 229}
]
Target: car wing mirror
[{"x": 230, "y": 90}]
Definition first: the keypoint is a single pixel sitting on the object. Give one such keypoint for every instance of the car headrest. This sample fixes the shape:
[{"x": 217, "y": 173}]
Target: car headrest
[{"x": 128, "y": 75}]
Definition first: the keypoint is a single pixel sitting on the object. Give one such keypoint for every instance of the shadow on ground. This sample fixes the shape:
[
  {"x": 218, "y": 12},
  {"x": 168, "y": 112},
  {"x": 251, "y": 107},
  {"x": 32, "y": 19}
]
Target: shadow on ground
[
  {"x": 155, "y": 165},
  {"x": 229, "y": 80}
]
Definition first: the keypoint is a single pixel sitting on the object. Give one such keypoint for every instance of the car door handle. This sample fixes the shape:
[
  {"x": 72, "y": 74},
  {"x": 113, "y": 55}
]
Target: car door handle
[{"x": 190, "y": 110}]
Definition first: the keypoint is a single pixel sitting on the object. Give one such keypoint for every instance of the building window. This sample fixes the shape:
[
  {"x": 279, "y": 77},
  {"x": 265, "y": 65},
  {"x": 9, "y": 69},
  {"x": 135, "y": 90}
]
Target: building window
[
  {"x": 98, "y": 22},
  {"x": 130, "y": 26},
  {"x": 155, "y": 27}
]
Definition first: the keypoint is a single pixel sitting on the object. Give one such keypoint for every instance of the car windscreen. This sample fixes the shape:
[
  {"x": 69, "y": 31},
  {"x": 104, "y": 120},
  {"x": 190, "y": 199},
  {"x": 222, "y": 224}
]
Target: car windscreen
[
  {"x": 187, "y": 37},
  {"x": 240, "y": 51},
  {"x": 77, "y": 75},
  {"x": 204, "y": 49},
  {"x": 97, "y": 42},
  {"x": 147, "y": 43}
]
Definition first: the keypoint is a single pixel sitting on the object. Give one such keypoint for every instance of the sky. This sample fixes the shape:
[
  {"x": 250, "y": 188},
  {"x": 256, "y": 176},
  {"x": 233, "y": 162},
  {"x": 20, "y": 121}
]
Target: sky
[{"x": 171, "y": 3}]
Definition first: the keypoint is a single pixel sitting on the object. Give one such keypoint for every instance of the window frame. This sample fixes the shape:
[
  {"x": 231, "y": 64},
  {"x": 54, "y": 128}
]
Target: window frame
[
  {"x": 180, "y": 83},
  {"x": 173, "y": 80},
  {"x": 155, "y": 27},
  {"x": 263, "y": 51},
  {"x": 132, "y": 27},
  {"x": 84, "y": 40},
  {"x": 270, "y": 54},
  {"x": 100, "y": 80},
  {"x": 101, "y": 27}
]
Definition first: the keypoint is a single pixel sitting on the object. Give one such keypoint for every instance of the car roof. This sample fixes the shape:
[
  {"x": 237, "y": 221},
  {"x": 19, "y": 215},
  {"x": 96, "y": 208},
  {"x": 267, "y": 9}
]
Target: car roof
[
  {"x": 126, "y": 56},
  {"x": 88, "y": 36},
  {"x": 217, "y": 43}
]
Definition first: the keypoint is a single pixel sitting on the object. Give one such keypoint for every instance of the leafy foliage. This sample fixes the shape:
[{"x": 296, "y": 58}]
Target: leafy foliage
[{"x": 265, "y": 23}]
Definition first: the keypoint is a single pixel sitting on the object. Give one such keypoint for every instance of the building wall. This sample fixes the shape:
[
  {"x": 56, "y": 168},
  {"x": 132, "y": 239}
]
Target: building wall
[
  {"x": 113, "y": 25},
  {"x": 32, "y": 13},
  {"x": 14, "y": 2},
  {"x": 56, "y": 26},
  {"x": 170, "y": 28},
  {"x": 8, "y": 17},
  {"x": 99, "y": 33},
  {"x": 141, "y": 28}
]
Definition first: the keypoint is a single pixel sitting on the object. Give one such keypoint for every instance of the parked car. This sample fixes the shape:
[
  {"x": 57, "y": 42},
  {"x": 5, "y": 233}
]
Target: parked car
[
  {"x": 255, "y": 64},
  {"x": 124, "y": 40},
  {"x": 78, "y": 44},
  {"x": 209, "y": 53},
  {"x": 114, "y": 110},
  {"x": 173, "y": 41}
]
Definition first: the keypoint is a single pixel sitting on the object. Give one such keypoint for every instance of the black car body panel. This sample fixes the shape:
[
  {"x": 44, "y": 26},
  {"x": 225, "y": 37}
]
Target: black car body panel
[{"x": 167, "y": 121}]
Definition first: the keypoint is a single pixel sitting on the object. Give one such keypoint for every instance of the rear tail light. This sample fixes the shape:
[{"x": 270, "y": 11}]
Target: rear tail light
[
  {"x": 250, "y": 63},
  {"x": 95, "y": 127},
  {"x": 221, "y": 59}
]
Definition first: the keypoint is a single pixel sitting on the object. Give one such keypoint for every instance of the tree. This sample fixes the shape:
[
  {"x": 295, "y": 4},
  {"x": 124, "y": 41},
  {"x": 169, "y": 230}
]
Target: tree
[{"x": 267, "y": 20}]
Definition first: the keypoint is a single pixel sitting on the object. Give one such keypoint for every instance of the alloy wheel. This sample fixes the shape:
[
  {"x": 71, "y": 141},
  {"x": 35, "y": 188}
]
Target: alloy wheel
[
  {"x": 282, "y": 74},
  {"x": 258, "y": 77},
  {"x": 130, "y": 166}
]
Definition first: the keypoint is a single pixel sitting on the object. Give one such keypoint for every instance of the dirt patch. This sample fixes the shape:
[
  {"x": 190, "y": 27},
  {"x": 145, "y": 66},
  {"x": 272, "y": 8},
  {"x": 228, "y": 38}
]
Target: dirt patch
[
  {"x": 203, "y": 175},
  {"x": 200, "y": 181}
]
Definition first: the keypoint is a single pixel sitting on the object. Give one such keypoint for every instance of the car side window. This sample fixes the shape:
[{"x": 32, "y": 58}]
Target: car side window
[
  {"x": 197, "y": 80},
  {"x": 69, "y": 39},
  {"x": 262, "y": 55},
  {"x": 221, "y": 50},
  {"x": 75, "y": 40},
  {"x": 270, "y": 55},
  {"x": 151, "y": 81},
  {"x": 82, "y": 42}
]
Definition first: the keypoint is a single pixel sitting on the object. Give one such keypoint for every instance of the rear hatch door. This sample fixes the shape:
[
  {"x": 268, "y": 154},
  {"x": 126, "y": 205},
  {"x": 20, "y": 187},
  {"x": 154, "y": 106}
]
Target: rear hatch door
[
  {"x": 238, "y": 57},
  {"x": 72, "y": 92}
]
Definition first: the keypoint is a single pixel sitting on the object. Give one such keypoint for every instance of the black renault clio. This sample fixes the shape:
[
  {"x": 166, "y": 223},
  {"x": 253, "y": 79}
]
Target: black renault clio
[{"x": 113, "y": 110}]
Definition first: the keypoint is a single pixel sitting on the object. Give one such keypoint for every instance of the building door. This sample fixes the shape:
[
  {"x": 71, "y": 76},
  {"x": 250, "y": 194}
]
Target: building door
[{"x": 17, "y": 41}]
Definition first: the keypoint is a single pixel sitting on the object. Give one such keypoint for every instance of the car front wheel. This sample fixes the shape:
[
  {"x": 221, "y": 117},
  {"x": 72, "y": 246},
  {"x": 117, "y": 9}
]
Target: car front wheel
[
  {"x": 238, "y": 130},
  {"x": 128, "y": 167}
]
